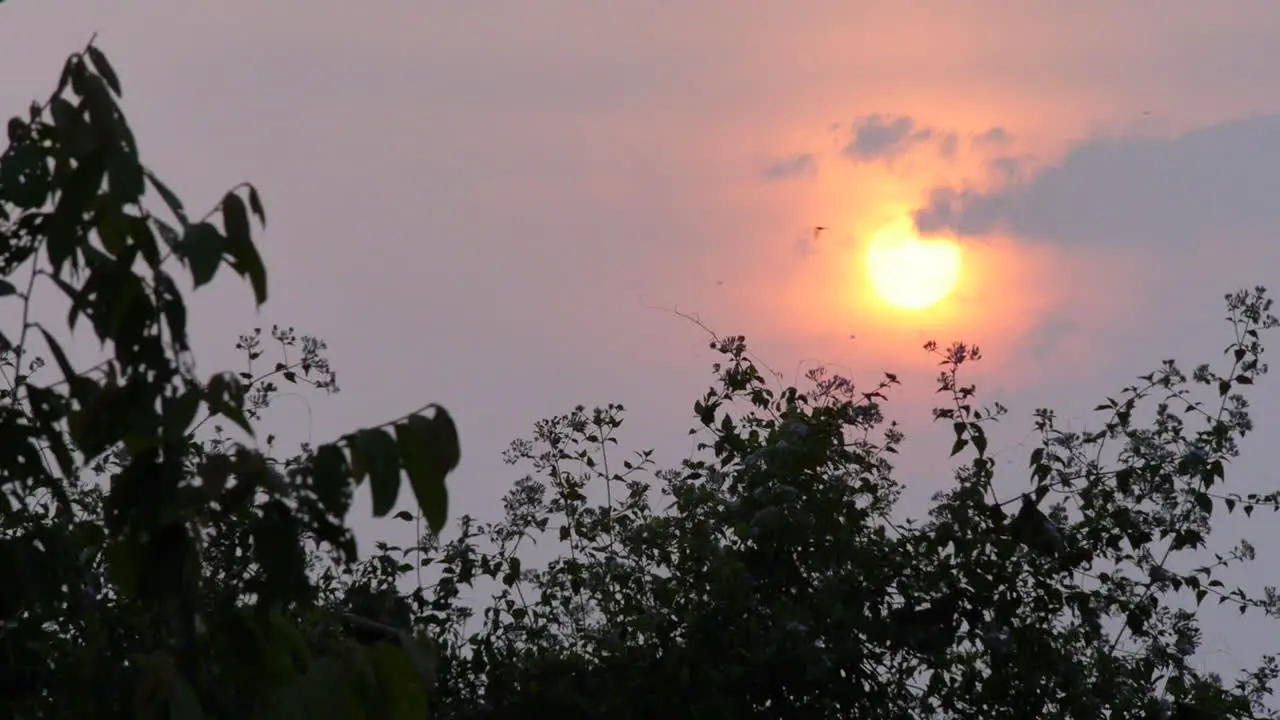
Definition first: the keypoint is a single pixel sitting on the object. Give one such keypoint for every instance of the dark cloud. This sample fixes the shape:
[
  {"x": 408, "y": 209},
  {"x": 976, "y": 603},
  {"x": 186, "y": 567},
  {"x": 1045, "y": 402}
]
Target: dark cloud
[
  {"x": 947, "y": 145},
  {"x": 802, "y": 165},
  {"x": 884, "y": 137},
  {"x": 1208, "y": 183},
  {"x": 996, "y": 137},
  {"x": 1008, "y": 168}
]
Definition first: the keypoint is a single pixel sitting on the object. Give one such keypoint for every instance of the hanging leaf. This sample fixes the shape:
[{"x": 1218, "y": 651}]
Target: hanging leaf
[
  {"x": 103, "y": 68},
  {"x": 429, "y": 449},
  {"x": 235, "y": 220},
  {"x": 255, "y": 204},
  {"x": 378, "y": 450},
  {"x": 202, "y": 246},
  {"x": 170, "y": 199}
]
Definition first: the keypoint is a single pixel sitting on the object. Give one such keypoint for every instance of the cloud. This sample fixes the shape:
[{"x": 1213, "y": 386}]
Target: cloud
[
  {"x": 1008, "y": 169},
  {"x": 1208, "y": 183},
  {"x": 993, "y": 138},
  {"x": 947, "y": 145},
  {"x": 882, "y": 137},
  {"x": 796, "y": 166}
]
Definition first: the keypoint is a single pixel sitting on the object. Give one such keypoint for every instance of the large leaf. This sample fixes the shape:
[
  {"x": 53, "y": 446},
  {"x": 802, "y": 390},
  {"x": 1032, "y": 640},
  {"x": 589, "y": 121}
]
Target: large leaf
[
  {"x": 429, "y": 450},
  {"x": 235, "y": 220},
  {"x": 202, "y": 246},
  {"x": 103, "y": 66},
  {"x": 378, "y": 450}
]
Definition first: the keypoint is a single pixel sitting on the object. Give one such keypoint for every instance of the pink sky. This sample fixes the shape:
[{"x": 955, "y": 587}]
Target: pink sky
[{"x": 477, "y": 203}]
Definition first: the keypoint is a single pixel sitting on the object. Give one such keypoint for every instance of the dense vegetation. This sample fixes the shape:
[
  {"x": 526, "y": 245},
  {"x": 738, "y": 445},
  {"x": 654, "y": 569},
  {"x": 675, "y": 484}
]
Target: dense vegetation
[
  {"x": 146, "y": 571},
  {"x": 154, "y": 565}
]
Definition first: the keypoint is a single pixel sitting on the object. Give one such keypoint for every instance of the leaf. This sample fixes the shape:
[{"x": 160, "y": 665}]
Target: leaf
[
  {"x": 179, "y": 412},
  {"x": 7, "y": 288},
  {"x": 170, "y": 199},
  {"x": 255, "y": 205},
  {"x": 1204, "y": 502},
  {"x": 59, "y": 357},
  {"x": 202, "y": 247},
  {"x": 329, "y": 470},
  {"x": 223, "y": 395},
  {"x": 980, "y": 441},
  {"x": 103, "y": 67},
  {"x": 144, "y": 239},
  {"x": 404, "y": 515},
  {"x": 429, "y": 450},
  {"x": 240, "y": 247},
  {"x": 378, "y": 450},
  {"x": 112, "y": 229},
  {"x": 214, "y": 472},
  {"x": 235, "y": 220}
]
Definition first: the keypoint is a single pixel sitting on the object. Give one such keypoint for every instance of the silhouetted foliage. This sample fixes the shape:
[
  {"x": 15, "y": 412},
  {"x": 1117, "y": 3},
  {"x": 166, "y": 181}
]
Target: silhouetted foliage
[
  {"x": 767, "y": 577},
  {"x": 185, "y": 584},
  {"x": 149, "y": 569}
]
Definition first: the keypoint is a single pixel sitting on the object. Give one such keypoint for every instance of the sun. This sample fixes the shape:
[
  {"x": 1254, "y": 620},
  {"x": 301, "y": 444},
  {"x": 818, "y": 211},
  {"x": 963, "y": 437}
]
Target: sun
[{"x": 909, "y": 272}]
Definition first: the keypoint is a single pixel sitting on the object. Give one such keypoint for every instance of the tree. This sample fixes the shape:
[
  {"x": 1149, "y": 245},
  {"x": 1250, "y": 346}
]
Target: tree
[
  {"x": 187, "y": 583},
  {"x": 767, "y": 577}
]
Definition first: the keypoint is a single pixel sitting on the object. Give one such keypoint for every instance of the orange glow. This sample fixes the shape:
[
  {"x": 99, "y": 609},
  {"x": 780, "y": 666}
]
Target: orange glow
[{"x": 909, "y": 272}]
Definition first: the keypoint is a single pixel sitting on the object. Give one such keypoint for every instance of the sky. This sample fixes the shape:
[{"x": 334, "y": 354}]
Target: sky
[{"x": 496, "y": 206}]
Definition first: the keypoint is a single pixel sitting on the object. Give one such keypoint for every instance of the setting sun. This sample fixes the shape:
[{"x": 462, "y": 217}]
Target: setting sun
[{"x": 909, "y": 272}]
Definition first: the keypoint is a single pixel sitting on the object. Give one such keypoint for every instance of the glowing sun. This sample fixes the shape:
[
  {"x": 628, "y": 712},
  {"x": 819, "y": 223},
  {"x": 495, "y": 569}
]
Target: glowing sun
[{"x": 912, "y": 273}]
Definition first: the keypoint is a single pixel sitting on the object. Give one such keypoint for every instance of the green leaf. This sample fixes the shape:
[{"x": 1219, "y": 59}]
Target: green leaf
[
  {"x": 429, "y": 450},
  {"x": 378, "y": 450},
  {"x": 235, "y": 220},
  {"x": 202, "y": 246}
]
